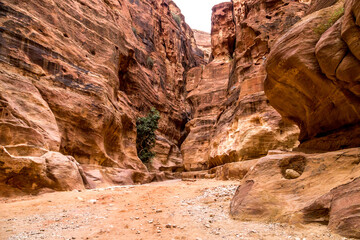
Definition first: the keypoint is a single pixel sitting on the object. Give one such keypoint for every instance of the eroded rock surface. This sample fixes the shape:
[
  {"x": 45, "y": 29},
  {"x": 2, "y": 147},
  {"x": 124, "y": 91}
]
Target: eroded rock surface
[
  {"x": 327, "y": 190},
  {"x": 203, "y": 41},
  {"x": 75, "y": 75},
  {"x": 30, "y": 174},
  {"x": 315, "y": 69},
  {"x": 232, "y": 119}
]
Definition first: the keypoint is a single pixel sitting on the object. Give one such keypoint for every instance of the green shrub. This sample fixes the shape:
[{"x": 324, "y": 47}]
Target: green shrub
[
  {"x": 150, "y": 62},
  {"x": 145, "y": 141},
  {"x": 176, "y": 18}
]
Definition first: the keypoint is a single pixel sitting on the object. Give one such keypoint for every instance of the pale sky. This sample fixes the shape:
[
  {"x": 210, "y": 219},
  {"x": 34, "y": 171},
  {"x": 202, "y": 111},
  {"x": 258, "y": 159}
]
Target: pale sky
[{"x": 198, "y": 12}]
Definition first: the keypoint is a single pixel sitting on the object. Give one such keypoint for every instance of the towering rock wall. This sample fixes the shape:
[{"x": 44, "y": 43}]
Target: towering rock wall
[
  {"x": 248, "y": 126},
  {"x": 313, "y": 80},
  {"x": 315, "y": 67},
  {"x": 232, "y": 118},
  {"x": 203, "y": 41},
  {"x": 75, "y": 75},
  {"x": 206, "y": 88}
]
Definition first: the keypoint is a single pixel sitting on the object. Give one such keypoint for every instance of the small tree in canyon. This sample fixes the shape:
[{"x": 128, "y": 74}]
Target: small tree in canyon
[{"x": 145, "y": 141}]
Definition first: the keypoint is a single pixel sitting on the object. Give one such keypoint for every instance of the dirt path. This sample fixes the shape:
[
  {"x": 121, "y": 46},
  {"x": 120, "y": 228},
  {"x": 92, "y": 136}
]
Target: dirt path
[{"x": 166, "y": 210}]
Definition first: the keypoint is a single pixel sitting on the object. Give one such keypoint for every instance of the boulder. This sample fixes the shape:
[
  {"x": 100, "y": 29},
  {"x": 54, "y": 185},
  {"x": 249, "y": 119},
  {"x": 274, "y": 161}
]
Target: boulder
[
  {"x": 322, "y": 188},
  {"x": 30, "y": 174},
  {"x": 314, "y": 67}
]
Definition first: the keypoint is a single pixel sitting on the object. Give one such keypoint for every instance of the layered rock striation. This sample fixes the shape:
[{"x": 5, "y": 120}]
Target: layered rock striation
[
  {"x": 203, "y": 41},
  {"x": 74, "y": 77},
  {"x": 303, "y": 188},
  {"x": 206, "y": 88},
  {"x": 232, "y": 118},
  {"x": 315, "y": 67}
]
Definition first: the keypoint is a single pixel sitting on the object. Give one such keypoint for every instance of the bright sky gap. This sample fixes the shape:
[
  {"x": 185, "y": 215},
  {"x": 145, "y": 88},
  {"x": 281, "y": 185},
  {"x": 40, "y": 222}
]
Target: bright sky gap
[{"x": 198, "y": 12}]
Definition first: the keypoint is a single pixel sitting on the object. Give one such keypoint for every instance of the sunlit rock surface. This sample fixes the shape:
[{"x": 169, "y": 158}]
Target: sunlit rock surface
[
  {"x": 75, "y": 75},
  {"x": 327, "y": 190},
  {"x": 315, "y": 68},
  {"x": 203, "y": 41},
  {"x": 232, "y": 119}
]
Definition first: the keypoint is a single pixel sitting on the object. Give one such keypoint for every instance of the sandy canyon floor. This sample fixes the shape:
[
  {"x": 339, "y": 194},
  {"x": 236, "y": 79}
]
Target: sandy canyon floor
[{"x": 166, "y": 210}]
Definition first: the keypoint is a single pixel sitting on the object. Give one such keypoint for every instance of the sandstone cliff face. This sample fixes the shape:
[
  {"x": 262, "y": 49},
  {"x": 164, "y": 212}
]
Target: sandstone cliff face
[
  {"x": 203, "y": 41},
  {"x": 325, "y": 189},
  {"x": 206, "y": 91},
  {"x": 74, "y": 77},
  {"x": 232, "y": 119},
  {"x": 315, "y": 68},
  {"x": 248, "y": 126}
]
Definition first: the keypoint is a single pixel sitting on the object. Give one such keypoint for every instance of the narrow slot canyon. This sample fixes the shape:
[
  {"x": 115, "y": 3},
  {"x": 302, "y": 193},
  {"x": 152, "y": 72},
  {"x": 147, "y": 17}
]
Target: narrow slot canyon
[{"x": 258, "y": 128}]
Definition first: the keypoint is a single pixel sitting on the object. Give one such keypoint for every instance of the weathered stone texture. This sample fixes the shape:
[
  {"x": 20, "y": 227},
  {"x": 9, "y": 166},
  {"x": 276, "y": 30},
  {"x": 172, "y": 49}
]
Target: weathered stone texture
[
  {"x": 327, "y": 190},
  {"x": 75, "y": 75},
  {"x": 315, "y": 69}
]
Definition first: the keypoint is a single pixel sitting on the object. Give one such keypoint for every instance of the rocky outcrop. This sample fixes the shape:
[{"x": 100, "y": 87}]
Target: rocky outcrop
[
  {"x": 206, "y": 87},
  {"x": 237, "y": 122},
  {"x": 203, "y": 41},
  {"x": 21, "y": 173},
  {"x": 206, "y": 92},
  {"x": 315, "y": 68},
  {"x": 326, "y": 190},
  {"x": 248, "y": 127},
  {"x": 74, "y": 77},
  {"x": 312, "y": 80},
  {"x": 222, "y": 32}
]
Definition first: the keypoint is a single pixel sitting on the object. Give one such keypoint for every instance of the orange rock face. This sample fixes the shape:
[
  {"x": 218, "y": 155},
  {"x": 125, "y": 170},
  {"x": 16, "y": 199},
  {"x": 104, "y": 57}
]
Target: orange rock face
[
  {"x": 203, "y": 41},
  {"x": 74, "y": 77},
  {"x": 315, "y": 67},
  {"x": 325, "y": 190},
  {"x": 248, "y": 127},
  {"x": 206, "y": 88},
  {"x": 312, "y": 79},
  {"x": 222, "y": 31},
  {"x": 232, "y": 120}
]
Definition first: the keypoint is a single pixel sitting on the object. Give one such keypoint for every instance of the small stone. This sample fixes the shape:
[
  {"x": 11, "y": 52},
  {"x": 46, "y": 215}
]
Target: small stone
[
  {"x": 207, "y": 225},
  {"x": 158, "y": 211},
  {"x": 93, "y": 201},
  {"x": 138, "y": 232},
  {"x": 150, "y": 221},
  {"x": 158, "y": 231},
  {"x": 137, "y": 218},
  {"x": 168, "y": 225},
  {"x": 291, "y": 174}
]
